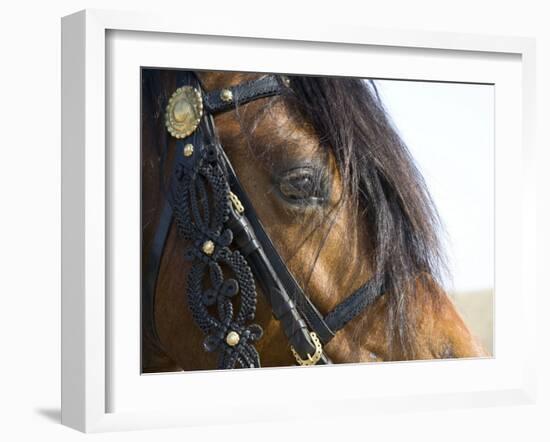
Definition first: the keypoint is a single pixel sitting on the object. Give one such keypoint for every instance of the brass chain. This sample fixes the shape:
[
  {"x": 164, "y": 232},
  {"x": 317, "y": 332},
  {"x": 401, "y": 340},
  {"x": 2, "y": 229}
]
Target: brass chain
[{"x": 236, "y": 202}]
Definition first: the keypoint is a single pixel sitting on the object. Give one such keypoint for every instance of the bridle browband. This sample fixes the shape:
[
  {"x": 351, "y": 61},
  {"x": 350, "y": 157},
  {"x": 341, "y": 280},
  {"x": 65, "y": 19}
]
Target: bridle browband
[{"x": 228, "y": 244}]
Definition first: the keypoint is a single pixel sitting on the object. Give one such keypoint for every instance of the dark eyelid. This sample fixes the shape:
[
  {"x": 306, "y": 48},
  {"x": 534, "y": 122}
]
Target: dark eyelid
[{"x": 320, "y": 184}]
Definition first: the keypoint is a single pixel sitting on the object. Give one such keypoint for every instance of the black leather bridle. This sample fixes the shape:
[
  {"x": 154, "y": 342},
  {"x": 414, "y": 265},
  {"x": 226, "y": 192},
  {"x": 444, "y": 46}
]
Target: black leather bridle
[{"x": 229, "y": 247}]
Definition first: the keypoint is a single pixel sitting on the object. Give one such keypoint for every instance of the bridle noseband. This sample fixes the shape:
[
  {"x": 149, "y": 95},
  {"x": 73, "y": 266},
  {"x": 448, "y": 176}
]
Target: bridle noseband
[{"x": 229, "y": 246}]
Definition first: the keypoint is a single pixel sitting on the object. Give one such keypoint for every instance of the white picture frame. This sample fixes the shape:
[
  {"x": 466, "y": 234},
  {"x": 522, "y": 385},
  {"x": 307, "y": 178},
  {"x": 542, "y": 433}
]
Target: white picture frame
[{"x": 92, "y": 367}]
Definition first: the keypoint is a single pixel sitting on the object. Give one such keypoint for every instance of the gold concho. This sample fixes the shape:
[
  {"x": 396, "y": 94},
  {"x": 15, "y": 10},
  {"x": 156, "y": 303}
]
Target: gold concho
[{"x": 184, "y": 111}]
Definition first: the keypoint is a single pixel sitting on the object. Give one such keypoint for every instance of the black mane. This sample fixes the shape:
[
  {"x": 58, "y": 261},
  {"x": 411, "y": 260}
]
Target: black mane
[{"x": 385, "y": 186}]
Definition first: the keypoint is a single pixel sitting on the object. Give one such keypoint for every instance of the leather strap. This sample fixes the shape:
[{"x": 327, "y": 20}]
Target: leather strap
[
  {"x": 241, "y": 94},
  {"x": 312, "y": 316},
  {"x": 353, "y": 305},
  {"x": 152, "y": 273},
  {"x": 250, "y": 236}
]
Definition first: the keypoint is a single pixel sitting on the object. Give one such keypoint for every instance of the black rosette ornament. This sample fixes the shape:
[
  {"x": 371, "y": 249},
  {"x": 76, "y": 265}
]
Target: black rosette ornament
[{"x": 201, "y": 209}]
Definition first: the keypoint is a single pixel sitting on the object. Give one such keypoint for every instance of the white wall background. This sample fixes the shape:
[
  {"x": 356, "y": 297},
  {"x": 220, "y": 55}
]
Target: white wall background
[
  {"x": 449, "y": 129},
  {"x": 30, "y": 221}
]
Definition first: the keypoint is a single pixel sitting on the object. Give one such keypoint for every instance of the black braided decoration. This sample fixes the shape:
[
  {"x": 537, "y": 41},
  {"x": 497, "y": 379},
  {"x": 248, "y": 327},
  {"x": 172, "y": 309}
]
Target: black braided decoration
[{"x": 201, "y": 208}]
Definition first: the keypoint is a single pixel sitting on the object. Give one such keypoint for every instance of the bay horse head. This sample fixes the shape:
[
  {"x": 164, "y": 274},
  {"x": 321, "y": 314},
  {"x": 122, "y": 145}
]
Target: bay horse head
[{"x": 337, "y": 195}]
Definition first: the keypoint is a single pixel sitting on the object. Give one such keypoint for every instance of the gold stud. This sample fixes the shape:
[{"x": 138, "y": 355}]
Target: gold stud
[
  {"x": 188, "y": 150},
  {"x": 286, "y": 80},
  {"x": 232, "y": 338},
  {"x": 226, "y": 95},
  {"x": 208, "y": 247}
]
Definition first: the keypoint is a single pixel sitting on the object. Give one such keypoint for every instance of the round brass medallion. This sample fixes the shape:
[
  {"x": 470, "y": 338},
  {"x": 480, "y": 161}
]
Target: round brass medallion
[{"x": 184, "y": 111}]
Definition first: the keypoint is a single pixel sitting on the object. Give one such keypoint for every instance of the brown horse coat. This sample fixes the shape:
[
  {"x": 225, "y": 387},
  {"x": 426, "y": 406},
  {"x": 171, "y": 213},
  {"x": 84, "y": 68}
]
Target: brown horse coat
[{"x": 327, "y": 247}]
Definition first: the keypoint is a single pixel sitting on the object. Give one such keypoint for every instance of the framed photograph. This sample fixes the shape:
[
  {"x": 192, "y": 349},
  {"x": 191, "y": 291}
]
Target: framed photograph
[{"x": 286, "y": 213}]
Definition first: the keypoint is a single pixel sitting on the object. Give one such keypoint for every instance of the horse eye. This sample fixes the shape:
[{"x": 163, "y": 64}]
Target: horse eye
[{"x": 303, "y": 185}]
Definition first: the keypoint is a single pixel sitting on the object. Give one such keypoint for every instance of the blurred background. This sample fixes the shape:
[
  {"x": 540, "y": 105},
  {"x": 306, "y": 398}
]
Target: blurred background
[{"x": 449, "y": 129}]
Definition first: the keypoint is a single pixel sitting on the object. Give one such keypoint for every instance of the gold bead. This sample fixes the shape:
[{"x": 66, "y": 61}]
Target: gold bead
[
  {"x": 286, "y": 80},
  {"x": 226, "y": 95},
  {"x": 232, "y": 338},
  {"x": 208, "y": 247},
  {"x": 188, "y": 150}
]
